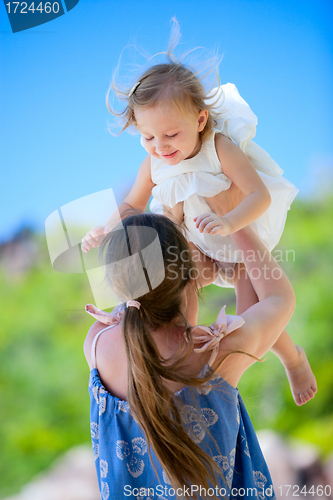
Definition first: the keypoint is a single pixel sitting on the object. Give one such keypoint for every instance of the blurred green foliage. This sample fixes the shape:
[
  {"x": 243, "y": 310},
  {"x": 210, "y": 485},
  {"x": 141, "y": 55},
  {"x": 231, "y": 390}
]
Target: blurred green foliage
[
  {"x": 305, "y": 253},
  {"x": 44, "y": 376},
  {"x": 43, "y": 373}
]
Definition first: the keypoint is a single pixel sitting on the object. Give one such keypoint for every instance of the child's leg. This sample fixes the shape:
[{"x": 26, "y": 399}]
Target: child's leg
[{"x": 301, "y": 379}]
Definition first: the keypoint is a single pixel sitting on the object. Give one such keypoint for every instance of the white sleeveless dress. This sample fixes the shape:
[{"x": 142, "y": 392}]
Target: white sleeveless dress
[{"x": 194, "y": 179}]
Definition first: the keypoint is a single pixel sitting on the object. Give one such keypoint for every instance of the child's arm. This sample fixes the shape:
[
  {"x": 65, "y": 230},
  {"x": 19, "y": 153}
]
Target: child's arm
[
  {"x": 225, "y": 201},
  {"x": 241, "y": 172},
  {"x": 265, "y": 320},
  {"x": 137, "y": 199}
]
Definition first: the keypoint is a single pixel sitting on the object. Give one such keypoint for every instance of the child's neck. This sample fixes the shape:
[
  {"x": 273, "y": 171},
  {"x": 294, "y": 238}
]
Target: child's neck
[{"x": 196, "y": 149}]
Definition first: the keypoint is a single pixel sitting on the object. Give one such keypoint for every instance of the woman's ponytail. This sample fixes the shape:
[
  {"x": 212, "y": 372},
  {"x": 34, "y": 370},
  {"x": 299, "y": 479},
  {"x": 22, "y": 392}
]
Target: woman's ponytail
[
  {"x": 153, "y": 405},
  {"x": 154, "y": 408}
]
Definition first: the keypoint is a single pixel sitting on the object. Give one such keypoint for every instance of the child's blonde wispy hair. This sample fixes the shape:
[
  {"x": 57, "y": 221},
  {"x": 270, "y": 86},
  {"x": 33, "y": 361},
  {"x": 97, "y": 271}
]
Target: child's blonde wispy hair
[{"x": 190, "y": 90}]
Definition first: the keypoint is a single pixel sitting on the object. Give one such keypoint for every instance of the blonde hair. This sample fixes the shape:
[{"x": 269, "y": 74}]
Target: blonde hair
[
  {"x": 173, "y": 82},
  {"x": 151, "y": 403}
]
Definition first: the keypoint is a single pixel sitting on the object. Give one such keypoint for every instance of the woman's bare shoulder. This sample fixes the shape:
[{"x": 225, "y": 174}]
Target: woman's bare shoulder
[
  {"x": 236, "y": 357},
  {"x": 106, "y": 340}
]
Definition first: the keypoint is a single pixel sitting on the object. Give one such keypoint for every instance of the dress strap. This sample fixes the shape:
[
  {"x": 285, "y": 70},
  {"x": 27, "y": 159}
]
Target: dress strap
[
  {"x": 94, "y": 343},
  {"x": 111, "y": 319},
  {"x": 211, "y": 151}
]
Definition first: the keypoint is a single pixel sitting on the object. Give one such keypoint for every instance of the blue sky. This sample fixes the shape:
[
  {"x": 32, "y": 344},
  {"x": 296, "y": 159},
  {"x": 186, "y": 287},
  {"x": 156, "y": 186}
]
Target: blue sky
[{"x": 55, "y": 146}]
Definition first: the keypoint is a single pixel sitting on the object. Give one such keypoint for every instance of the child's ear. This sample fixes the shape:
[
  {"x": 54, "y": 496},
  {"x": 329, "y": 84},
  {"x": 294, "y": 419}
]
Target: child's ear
[{"x": 202, "y": 119}]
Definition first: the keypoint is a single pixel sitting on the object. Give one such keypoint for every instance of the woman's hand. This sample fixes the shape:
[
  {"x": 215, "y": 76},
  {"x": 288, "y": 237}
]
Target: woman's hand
[
  {"x": 94, "y": 238},
  {"x": 213, "y": 224}
]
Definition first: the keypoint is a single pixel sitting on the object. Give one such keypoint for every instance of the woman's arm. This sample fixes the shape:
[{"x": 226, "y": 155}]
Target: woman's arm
[
  {"x": 137, "y": 199},
  {"x": 265, "y": 320},
  {"x": 241, "y": 172}
]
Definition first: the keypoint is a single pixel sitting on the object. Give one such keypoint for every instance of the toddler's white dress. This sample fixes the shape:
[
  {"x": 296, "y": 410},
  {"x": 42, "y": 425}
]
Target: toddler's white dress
[{"x": 194, "y": 179}]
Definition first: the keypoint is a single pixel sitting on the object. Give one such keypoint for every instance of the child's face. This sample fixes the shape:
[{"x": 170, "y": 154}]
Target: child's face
[{"x": 167, "y": 134}]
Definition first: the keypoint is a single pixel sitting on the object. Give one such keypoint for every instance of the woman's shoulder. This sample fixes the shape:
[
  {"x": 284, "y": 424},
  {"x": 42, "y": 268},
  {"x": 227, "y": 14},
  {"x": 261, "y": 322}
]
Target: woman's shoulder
[
  {"x": 107, "y": 342},
  {"x": 226, "y": 340}
]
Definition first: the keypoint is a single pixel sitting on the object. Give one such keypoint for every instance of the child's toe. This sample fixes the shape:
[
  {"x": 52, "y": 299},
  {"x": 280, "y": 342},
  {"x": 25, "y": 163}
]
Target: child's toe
[
  {"x": 307, "y": 396},
  {"x": 298, "y": 399},
  {"x": 311, "y": 393},
  {"x": 314, "y": 388}
]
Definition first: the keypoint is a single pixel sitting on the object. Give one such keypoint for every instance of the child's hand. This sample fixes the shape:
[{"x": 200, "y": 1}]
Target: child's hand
[
  {"x": 213, "y": 224},
  {"x": 94, "y": 238}
]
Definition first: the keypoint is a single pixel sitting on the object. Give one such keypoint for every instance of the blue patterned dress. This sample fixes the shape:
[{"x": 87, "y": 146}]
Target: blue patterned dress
[{"x": 124, "y": 468}]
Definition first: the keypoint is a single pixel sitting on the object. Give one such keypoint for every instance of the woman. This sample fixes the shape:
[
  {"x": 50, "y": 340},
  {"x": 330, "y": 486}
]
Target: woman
[{"x": 164, "y": 425}]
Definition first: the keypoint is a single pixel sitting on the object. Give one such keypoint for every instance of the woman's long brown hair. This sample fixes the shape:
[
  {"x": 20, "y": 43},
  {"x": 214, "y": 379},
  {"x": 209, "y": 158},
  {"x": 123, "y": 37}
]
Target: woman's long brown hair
[{"x": 151, "y": 403}]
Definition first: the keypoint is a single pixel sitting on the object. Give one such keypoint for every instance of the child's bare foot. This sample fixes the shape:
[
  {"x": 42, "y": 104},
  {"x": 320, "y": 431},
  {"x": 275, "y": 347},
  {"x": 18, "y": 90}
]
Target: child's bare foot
[{"x": 301, "y": 379}]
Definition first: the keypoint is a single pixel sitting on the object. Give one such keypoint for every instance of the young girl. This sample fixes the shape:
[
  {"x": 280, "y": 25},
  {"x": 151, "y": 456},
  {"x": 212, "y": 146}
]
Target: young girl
[{"x": 198, "y": 145}]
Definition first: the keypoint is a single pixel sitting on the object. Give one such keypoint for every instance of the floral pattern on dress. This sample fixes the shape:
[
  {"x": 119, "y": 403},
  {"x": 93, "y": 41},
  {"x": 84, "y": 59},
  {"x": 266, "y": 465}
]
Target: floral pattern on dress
[
  {"x": 204, "y": 388},
  {"x": 123, "y": 450},
  {"x": 104, "y": 469},
  {"x": 135, "y": 465},
  {"x": 102, "y": 405},
  {"x": 192, "y": 421},
  {"x": 226, "y": 465},
  {"x": 95, "y": 392},
  {"x": 104, "y": 466},
  {"x": 208, "y": 386},
  {"x": 260, "y": 481},
  {"x": 105, "y": 491},
  {"x": 94, "y": 430},
  {"x": 123, "y": 406},
  {"x": 245, "y": 445},
  {"x": 100, "y": 400},
  {"x": 95, "y": 447},
  {"x": 165, "y": 478},
  {"x": 139, "y": 446}
]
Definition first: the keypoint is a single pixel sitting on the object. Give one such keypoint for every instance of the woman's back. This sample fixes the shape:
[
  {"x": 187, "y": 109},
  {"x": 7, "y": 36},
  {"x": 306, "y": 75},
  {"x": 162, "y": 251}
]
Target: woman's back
[
  {"x": 213, "y": 416},
  {"x": 108, "y": 348}
]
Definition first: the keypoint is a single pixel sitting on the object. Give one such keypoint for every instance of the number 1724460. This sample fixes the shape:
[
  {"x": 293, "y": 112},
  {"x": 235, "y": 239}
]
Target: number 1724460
[
  {"x": 287, "y": 490},
  {"x": 23, "y": 8}
]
